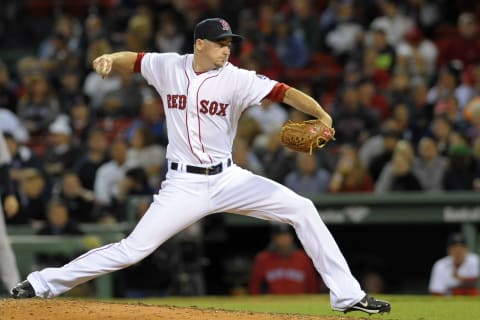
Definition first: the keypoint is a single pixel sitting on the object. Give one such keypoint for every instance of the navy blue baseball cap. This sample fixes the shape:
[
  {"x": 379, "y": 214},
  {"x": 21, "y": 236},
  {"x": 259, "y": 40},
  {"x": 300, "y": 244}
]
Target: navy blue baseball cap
[
  {"x": 214, "y": 29},
  {"x": 456, "y": 238}
]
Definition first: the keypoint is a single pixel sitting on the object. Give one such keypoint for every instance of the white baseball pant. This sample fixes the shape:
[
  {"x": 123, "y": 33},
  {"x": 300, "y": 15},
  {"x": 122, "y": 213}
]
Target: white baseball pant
[
  {"x": 184, "y": 199},
  {"x": 8, "y": 266}
]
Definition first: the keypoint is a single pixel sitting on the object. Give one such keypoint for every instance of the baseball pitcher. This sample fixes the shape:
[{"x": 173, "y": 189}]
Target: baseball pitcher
[{"x": 204, "y": 96}]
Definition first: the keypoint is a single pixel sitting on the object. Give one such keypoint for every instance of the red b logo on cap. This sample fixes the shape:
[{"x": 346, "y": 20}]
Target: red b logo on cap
[{"x": 225, "y": 25}]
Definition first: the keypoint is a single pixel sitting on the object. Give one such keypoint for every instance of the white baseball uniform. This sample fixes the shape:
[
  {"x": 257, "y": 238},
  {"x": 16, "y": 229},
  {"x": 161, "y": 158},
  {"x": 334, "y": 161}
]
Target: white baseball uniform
[
  {"x": 202, "y": 112},
  {"x": 442, "y": 279},
  {"x": 8, "y": 265}
]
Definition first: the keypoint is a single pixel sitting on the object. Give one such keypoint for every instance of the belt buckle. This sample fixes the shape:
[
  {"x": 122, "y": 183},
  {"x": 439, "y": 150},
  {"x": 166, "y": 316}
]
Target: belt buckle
[{"x": 207, "y": 170}]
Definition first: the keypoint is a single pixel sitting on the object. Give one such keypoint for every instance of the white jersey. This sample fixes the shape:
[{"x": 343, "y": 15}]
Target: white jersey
[
  {"x": 442, "y": 279},
  {"x": 202, "y": 110}
]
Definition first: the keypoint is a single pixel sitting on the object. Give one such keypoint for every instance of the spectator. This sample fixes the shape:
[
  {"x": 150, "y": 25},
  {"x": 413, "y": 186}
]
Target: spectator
[
  {"x": 244, "y": 157},
  {"x": 397, "y": 175},
  {"x": 38, "y": 107},
  {"x": 10, "y": 123},
  {"x": 22, "y": 157},
  {"x": 374, "y": 145},
  {"x": 70, "y": 91},
  {"x": 469, "y": 90},
  {"x": 307, "y": 179},
  {"x": 282, "y": 268},
  {"x": 353, "y": 122},
  {"x": 305, "y": 24},
  {"x": 147, "y": 155},
  {"x": 94, "y": 29},
  {"x": 441, "y": 129},
  {"x": 61, "y": 154},
  {"x": 135, "y": 183},
  {"x": 124, "y": 102},
  {"x": 368, "y": 61},
  {"x": 60, "y": 58},
  {"x": 429, "y": 167},
  {"x": 447, "y": 84},
  {"x": 27, "y": 68},
  {"x": 465, "y": 46},
  {"x": 372, "y": 100},
  {"x": 270, "y": 115},
  {"x": 289, "y": 46},
  {"x": 139, "y": 31},
  {"x": 350, "y": 174},
  {"x": 65, "y": 27},
  {"x": 417, "y": 55},
  {"x": 393, "y": 21},
  {"x": 266, "y": 20},
  {"x": 95, "y": 155},
  {"x": 276, "y": 159},
  {"x": 58, "y": 221},
  {"x": 461, "y": 171},
  {"x": 449, "y": 108},
  {"x": 457, "y": 273},
  {"x": 152, "y": 117},
  {"x": 406, "y": 124},
  {"x": 8, "y": 90},
  {"x": 399, "y": 89},
  {"x": 78, "y": 200},
  {"x": 390, "y": 139},
  {"x": 169, "y": 37},
  {"x": 33, "y": 195},
  {"x": 257, "y": 54},
  {"x": 472, "y": 117},
  {"x": 422, "y": 109},
  {"x": 249, "y": 129},
  {"x": 343, "y": 39},
  {"x": 108, "y": 179},
  {"x": 81, "y": 122},
  {"x": 427, "y": 13},
  {"x": 386, "y": 56}
]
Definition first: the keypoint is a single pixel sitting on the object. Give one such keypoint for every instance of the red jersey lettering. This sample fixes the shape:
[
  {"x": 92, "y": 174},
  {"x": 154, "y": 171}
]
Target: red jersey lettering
[
  {"x": 182, "y": 102},
  {"x": 213, "y": 107},
  {"x": 223, "y": 110},
  {"x": 204, "y": 104}
]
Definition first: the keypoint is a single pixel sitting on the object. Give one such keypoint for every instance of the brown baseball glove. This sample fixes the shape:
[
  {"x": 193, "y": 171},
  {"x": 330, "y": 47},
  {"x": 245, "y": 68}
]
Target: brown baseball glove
[{"x": 306, "y": 136}]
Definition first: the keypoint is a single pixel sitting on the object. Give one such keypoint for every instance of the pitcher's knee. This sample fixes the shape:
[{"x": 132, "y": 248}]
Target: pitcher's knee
[
  {"x": 304, "y": 205},
  {"x": 304, "y": 210}
]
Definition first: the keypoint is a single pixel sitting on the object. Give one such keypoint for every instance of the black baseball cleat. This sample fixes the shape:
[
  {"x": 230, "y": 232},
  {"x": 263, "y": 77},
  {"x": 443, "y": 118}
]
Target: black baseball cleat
[
  {"x": 369, "y": 305},
  {"x": 23, "y": 290}
]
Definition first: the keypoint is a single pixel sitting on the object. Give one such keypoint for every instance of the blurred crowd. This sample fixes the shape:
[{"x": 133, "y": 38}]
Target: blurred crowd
[{"x": 400, "y": 78}]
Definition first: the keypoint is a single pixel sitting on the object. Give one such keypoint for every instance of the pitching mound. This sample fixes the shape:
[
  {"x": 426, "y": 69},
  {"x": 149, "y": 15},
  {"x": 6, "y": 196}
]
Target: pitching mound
[{"x": 54, "y": 309}]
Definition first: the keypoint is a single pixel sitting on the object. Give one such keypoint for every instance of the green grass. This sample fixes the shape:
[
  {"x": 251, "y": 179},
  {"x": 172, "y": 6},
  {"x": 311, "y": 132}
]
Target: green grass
[{"x": 403, "y": 307}]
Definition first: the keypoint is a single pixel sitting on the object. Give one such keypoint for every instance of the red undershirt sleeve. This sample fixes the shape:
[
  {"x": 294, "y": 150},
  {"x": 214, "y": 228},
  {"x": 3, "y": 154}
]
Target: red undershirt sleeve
[
  {"x": 278, "y": 92},
  {"x": 138, "y": 62}
]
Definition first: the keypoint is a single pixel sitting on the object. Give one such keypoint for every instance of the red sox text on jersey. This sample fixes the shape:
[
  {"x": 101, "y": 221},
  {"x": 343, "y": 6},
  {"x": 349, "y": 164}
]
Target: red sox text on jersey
[{"x": 212, "y": 107}]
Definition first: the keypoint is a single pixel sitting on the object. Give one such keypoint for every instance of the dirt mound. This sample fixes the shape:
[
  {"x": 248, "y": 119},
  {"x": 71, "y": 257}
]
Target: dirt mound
[{"x": 53, "y": 309}]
